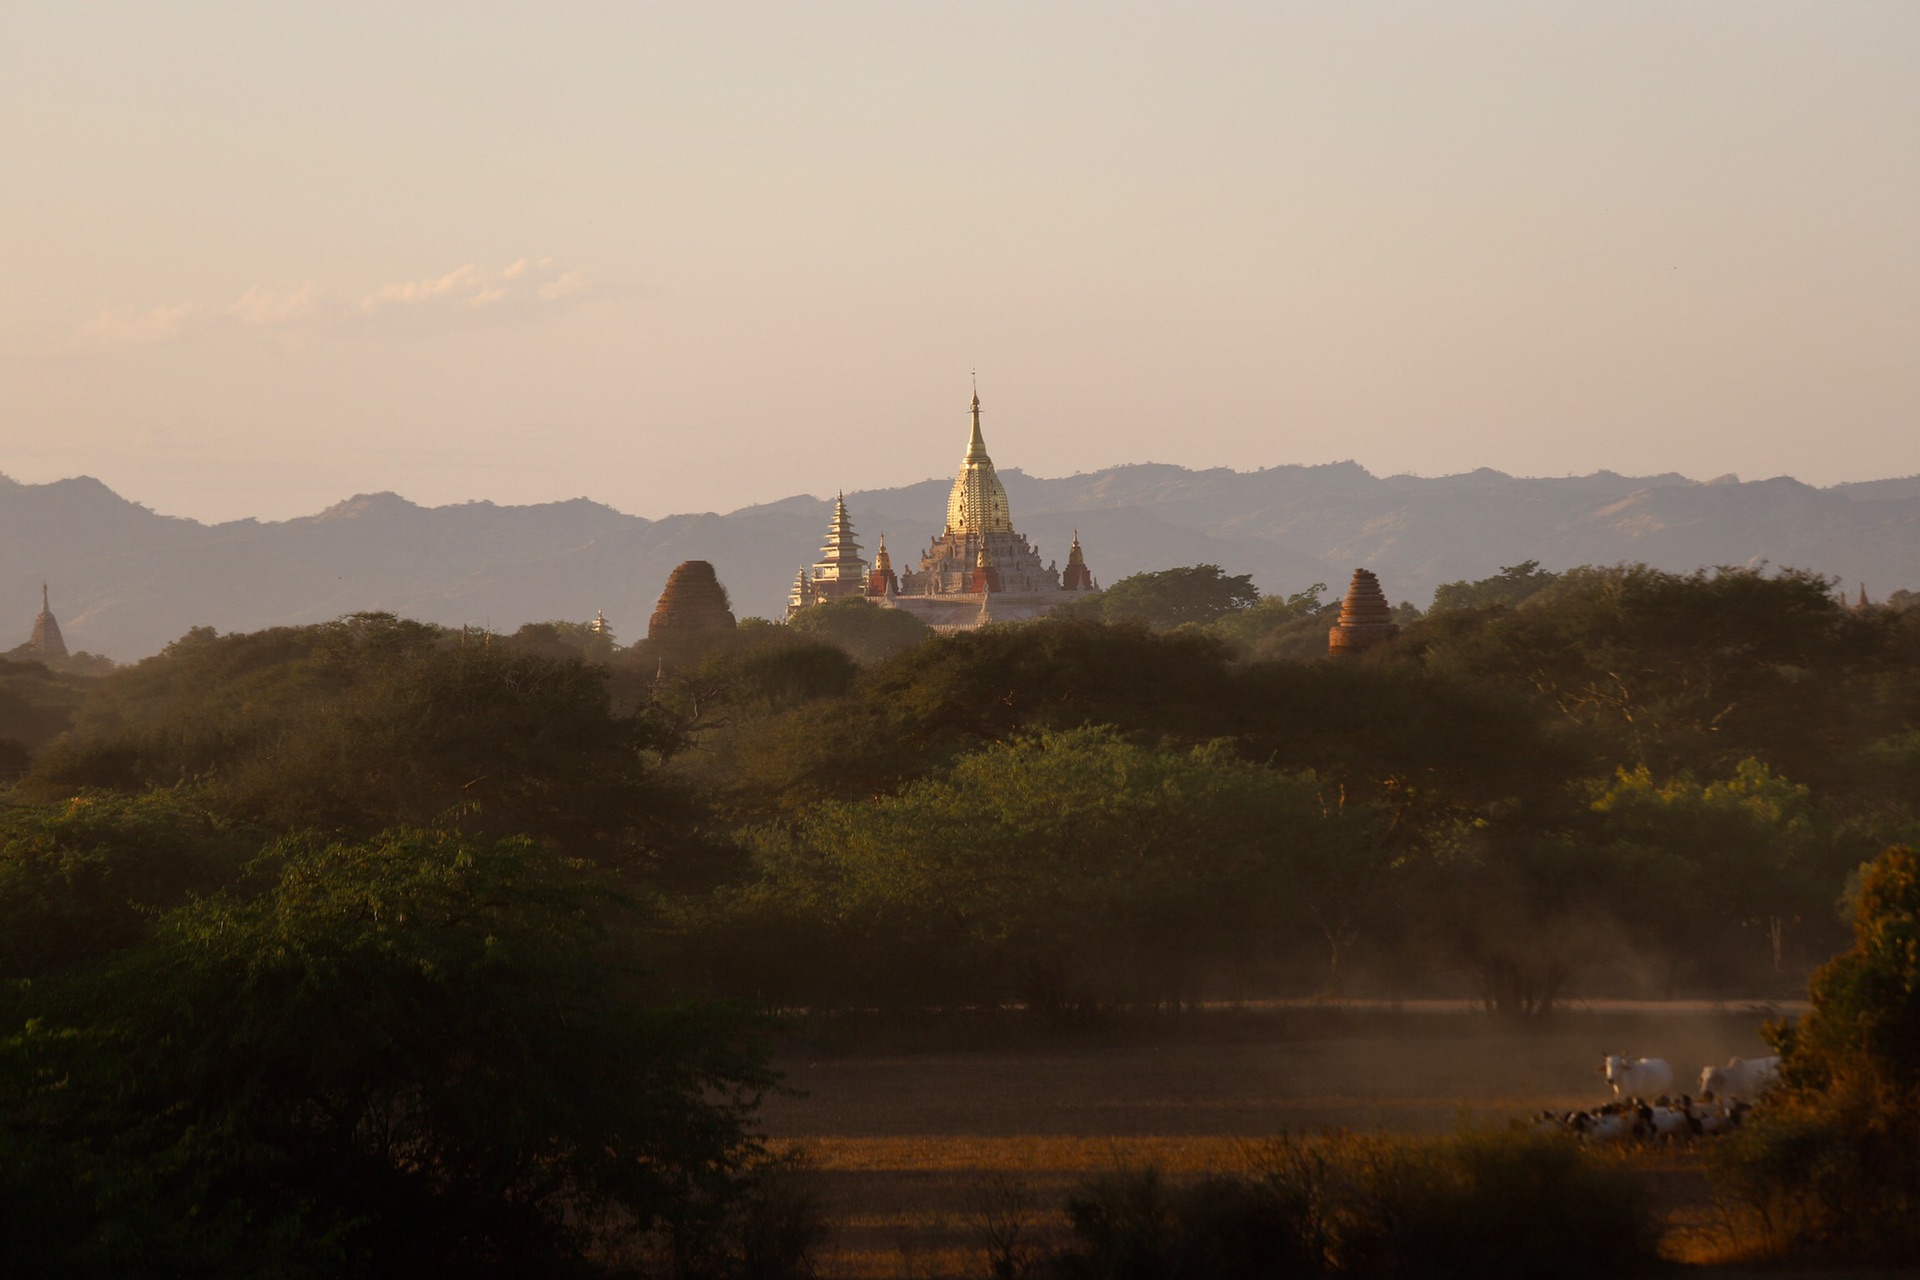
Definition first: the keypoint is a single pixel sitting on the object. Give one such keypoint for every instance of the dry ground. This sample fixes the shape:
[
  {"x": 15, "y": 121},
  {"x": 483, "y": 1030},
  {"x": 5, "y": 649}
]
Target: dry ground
[{"x": 922, "y": 1137}]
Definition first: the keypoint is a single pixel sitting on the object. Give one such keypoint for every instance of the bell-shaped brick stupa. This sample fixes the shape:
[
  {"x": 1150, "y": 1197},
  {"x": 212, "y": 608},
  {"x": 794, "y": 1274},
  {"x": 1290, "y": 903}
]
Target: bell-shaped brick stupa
[
  {"x": 694, "y": 604},
  {"x": 1365, "y": 618}
]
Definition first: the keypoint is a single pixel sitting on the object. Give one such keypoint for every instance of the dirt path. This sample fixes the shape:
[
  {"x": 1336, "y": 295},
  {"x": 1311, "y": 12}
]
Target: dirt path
[{"x": 912, "y": 1147}]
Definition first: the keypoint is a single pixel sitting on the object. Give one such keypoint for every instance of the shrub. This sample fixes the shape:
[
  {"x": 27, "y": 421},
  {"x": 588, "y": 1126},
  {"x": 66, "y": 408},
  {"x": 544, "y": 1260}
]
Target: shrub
[
  {"x": 1479, "y": 1204},
  {"x": 1831, "y": 1165}
]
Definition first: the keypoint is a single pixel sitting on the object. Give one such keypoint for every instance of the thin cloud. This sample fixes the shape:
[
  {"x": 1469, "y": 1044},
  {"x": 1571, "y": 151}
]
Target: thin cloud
[
  {"x": 265, "y": 308},
  {"x": 458, "y": 298},
  {"x": 134, "y": 327}
]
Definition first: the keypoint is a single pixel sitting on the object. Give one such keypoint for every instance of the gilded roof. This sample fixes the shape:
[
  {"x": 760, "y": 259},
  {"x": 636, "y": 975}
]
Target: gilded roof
[{"x": 978, "y": 503}]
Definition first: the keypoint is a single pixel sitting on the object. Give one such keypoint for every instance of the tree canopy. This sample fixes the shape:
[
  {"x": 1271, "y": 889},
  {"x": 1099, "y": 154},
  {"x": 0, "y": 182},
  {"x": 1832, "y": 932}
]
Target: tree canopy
[
  {"x": 867, "y": 632},
  {"x": 370, "y": 721},
  {"x": 1168, "y": 598},
  {"x": 416, "y": 1052},
  {"x": 1514, "y": 583}
]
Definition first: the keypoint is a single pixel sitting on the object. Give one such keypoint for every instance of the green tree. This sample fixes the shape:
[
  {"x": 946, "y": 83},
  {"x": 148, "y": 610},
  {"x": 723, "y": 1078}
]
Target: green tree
[
  {"x": 866, "y": 631},
  {"x": 417, "y": 1054},
  {"x": 1344, "y": 879},
  {"x": 1832, "y": 1161},
  {"x": 1514, "y": 583},
  {"x": 372, "y": 721},
  {"x": 1865, "y": 1019},
  {"x": 1272, "y": 626},
  {"x": 915, "y": 714},
  {"x": 1688, "y": 671},
  {"x": 1742, "y": 859},
  {"x": 1071, "y": 870},
  {"x": 1522, "y": 911},
  {"x": 565, "y": 639},
  {"x": 86, "y": 877},
  {"x": 1168, "y": 598},
  {"x": 36, "y": 705}
]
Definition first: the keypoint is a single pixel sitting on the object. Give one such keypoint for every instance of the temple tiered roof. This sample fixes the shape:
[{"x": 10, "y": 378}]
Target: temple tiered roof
[
  {"x": 839, "y": 571},
  {"x": 840, "y": 556}
]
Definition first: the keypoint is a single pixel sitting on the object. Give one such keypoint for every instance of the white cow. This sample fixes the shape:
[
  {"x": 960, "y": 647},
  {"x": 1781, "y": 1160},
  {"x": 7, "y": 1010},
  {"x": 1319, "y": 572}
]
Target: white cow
[
  {"x": 1637, "y": 1077},
  {"x": 1740, "y": 1078}
]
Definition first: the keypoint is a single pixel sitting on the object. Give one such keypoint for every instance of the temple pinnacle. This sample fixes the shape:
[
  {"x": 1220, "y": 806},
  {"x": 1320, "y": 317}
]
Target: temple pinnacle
[{"x": 976, "y": 443}]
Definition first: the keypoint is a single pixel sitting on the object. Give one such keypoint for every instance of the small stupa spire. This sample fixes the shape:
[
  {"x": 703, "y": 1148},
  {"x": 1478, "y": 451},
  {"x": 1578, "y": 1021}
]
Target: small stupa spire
[
  {"x": 46, "y": 640},
  {"x": 1077, "y": 577},
  {"x": 882, "y": 581},
  {"x": 976, "y": 443}
]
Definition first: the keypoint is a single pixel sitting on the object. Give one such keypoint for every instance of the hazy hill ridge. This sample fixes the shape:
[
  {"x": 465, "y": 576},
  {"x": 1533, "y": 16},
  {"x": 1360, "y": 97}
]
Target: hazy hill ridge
[{"x": 127, "y": 580}]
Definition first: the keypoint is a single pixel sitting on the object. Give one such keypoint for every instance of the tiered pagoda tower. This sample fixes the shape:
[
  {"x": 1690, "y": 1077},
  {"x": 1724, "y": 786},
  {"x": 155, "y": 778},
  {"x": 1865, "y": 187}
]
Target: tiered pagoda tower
[
  {"x": 1365, "y": 618},
  {"x": 838, "y": 572}
]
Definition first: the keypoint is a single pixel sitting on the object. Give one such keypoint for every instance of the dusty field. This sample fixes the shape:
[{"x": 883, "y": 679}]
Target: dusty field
[{"x": 918, "y": 1148}]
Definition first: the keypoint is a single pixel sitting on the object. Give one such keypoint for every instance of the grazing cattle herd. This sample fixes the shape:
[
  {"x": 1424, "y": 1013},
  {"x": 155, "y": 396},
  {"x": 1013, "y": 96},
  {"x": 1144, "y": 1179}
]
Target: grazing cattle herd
[{"x": 1645, "y": 1109}]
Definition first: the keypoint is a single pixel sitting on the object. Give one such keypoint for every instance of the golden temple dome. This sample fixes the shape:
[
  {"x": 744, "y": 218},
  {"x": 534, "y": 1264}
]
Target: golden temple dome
[{"x": 978, "y": 503}]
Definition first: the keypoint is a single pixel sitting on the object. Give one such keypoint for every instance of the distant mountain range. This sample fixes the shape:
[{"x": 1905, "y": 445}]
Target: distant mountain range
[{"x": 127, "y": 580}]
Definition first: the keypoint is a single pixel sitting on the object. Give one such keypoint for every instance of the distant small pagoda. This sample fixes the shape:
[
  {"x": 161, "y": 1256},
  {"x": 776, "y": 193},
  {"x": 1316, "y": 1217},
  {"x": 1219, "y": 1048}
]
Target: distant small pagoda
[
  {"x": 1366, "y": 619},
  {"x": 46, "y": 641}
]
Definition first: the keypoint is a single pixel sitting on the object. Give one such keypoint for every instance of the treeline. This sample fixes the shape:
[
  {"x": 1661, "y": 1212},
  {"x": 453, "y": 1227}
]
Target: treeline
[
  {"x": 1633, "y": 780},
  {"x": 1646, "y": 782},
  {"x": 402, "y": 943}
]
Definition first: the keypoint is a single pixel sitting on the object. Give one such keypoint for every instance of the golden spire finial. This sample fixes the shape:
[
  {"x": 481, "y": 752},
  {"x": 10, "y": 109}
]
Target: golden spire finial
[{"x": 976, "y": 443}]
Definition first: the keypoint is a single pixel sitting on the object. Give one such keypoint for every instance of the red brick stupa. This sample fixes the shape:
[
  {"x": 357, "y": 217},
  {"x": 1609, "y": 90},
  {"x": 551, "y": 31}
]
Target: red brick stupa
[
  {"x": 1365, "y": 618},
  {"x": 694, "y": 604}
]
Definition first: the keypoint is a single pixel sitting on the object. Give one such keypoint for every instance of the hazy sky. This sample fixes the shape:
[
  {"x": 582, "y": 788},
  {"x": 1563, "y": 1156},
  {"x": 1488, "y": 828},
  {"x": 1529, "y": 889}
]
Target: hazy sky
[{"x": 680, "y": 257}]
